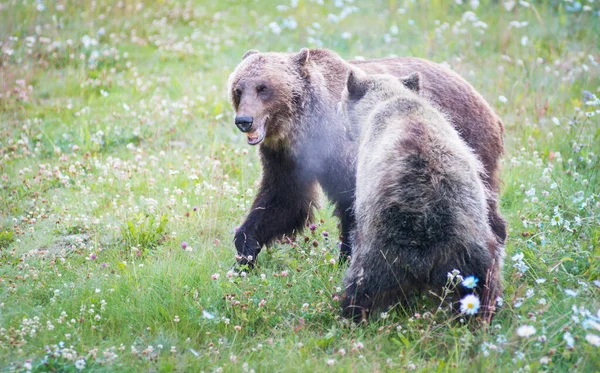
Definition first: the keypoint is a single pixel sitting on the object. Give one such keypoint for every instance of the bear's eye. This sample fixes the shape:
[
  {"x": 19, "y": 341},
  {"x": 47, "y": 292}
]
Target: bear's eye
[
  {"x": 261, "y": 89},
  {"x": 237, "y": 92}
]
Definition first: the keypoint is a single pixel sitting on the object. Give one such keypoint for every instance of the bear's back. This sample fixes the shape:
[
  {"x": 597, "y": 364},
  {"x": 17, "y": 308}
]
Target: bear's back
[{"x": 418, "y": 187}]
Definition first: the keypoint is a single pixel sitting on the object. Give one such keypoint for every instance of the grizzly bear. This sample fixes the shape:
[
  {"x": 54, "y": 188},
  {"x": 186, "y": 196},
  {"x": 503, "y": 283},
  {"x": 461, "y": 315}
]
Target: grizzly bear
[
  {"x": 421, "y": 208},
  {"x": 286, "y": 103}
]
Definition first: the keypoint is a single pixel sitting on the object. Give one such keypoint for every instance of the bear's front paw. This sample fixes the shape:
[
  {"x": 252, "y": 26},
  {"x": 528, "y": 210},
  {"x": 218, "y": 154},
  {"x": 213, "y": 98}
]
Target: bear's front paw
[
  {"x": 245, "y": 260},
  {"x": 354, "y": 311},
  {"x": 247, "y": 249}
]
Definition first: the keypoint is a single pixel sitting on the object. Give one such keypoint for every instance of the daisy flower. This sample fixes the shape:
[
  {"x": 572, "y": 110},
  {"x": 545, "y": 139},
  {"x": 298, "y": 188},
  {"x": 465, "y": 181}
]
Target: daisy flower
[{"x": 469, "y": 304}]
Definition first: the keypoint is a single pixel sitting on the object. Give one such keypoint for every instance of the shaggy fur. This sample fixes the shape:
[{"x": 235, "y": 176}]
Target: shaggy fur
[
  {"x": 420, "y": 207},
  {"x": 292, "y": 98}
]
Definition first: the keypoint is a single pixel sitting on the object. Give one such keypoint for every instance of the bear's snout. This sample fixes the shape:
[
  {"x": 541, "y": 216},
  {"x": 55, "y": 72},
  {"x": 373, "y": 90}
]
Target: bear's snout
[{"x": 244, "y": 123}]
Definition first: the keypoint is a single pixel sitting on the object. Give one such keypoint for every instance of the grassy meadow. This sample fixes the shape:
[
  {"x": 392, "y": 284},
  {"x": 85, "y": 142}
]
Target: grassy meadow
[{"x": 123, "y": 177}]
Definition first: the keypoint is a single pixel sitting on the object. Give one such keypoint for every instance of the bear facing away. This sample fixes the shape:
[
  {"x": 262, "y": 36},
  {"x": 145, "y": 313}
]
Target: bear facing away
[
  {"x": 286, "y": 104},
  {"x": 420, "y": 207}
]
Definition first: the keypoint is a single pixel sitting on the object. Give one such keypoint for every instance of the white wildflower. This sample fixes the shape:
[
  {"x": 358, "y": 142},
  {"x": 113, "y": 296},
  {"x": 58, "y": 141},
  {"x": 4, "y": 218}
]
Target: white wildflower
[
  {"x": 525, "y": 331},
  {"x": 593, "y": 339}
]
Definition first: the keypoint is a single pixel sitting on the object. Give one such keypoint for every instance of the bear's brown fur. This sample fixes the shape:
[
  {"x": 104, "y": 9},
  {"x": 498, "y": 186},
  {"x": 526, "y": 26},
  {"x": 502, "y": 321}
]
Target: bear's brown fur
[
  {"x": 421, "y": 209},
  {"x": 286, "y": 102}
]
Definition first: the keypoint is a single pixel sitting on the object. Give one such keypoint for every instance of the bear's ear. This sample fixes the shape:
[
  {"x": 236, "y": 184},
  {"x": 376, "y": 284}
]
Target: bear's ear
[
  {"x": 301, "y": 58},
  {"x": 357, "y": 86},
  {"x": 412, "y": 82},
  {"x": 249, "y": 53}
]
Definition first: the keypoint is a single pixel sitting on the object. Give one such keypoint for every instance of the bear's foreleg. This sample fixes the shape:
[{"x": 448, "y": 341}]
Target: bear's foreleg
[
  {"x": 356, "y": 304},
  {"x": 284, "y": 205},
  {"x": 372, "y": 283}
]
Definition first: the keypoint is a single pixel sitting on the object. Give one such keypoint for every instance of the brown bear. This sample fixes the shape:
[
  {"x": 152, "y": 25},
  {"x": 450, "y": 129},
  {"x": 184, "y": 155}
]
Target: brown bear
[
  {"x": 286, "y": 102},
  {"x": 421, "y": 208}
]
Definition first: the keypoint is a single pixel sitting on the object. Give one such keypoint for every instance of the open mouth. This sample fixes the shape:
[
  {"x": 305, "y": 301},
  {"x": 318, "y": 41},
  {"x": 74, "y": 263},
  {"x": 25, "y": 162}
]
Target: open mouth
[{"x": 255, "y": 136}]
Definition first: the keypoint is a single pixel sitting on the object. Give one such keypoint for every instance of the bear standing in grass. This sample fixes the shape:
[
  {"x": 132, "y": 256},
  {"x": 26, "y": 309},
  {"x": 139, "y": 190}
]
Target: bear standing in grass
[
  {"x": 421, "y": 208},
  {"x": 286, "y": 104}
]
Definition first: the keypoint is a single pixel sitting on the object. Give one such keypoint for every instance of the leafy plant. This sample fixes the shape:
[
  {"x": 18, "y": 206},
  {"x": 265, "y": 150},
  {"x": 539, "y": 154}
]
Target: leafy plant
[
  {"x": 145, "y": 233},
  {"x": 6, "y": 238}
]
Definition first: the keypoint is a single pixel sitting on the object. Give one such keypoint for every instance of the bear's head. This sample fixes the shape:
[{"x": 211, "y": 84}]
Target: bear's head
[
  {"x": 364, "y": 92},
  {"x": 265, "y": 90}
]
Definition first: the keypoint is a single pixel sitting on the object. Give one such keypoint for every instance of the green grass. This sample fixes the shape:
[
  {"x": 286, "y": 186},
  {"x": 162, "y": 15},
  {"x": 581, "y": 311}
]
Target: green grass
[{"x": 113, "y": 151}]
